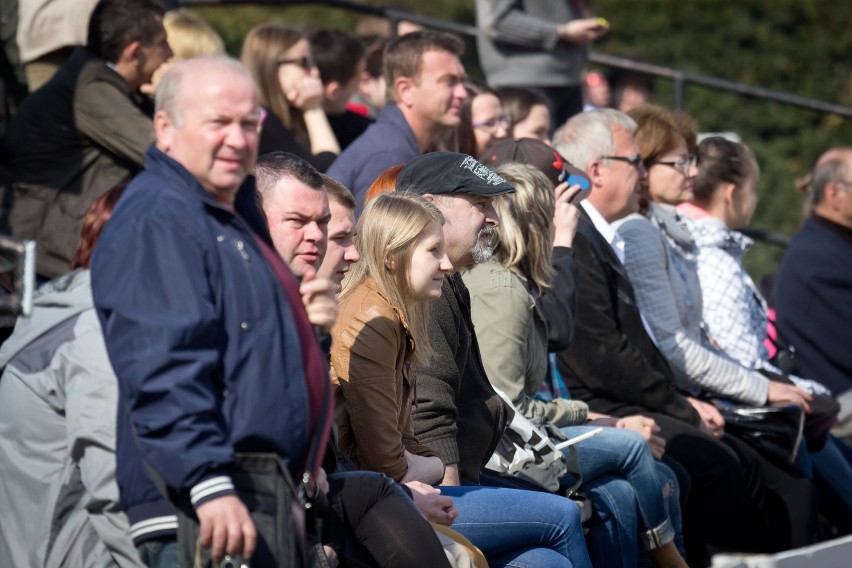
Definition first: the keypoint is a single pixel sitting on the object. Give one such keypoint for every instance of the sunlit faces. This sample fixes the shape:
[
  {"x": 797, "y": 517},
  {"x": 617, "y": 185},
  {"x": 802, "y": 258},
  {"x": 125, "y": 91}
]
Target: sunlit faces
[
  {"x": 535, "y": 125},
  {"x": 214, "y": 134},
  {"x": 298, "y": 217},
  {"x": 295, "y": 64},
  {"x": 428, "y": 264},
  {"x": 151, "y": 55},
  {"x": 341, "y": 251},
  {"x": 668, "y": 183},
  {"x": 743, "y": 203},
  {"x": 488, "y": 120},
  {"x": 436, "y": 95},
  {"x": 618, "y": 193},
  {"x": 467, "y": 239}
]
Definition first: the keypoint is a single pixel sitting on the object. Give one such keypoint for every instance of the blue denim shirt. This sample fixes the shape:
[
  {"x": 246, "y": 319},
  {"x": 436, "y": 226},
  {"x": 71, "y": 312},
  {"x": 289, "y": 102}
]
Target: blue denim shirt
[{"x": 388, "y": 142}]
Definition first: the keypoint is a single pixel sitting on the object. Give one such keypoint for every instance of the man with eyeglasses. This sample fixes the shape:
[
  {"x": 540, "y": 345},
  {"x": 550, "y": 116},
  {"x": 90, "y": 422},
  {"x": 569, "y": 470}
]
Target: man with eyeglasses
[
  {"x": 614, "y": 366},
  {"x": 425, "y": 90},
  {"x": 813, "y": 288}
]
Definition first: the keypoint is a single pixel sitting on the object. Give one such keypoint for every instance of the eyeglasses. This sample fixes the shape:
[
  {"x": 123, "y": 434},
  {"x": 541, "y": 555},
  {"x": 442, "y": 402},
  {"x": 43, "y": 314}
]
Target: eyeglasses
[
  {"x": 683, "y": 165},
  {"x": 493, "y": 123},
  {"x": 635, "y": 161},
  {"x": 306, "y": 62}
]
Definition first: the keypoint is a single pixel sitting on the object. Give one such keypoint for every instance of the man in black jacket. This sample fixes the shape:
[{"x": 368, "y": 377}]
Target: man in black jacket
[{"x": 739, "y": 500}]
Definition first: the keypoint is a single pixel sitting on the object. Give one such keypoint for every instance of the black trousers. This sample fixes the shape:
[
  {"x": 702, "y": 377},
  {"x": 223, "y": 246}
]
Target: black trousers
[
  {"x": 565, "y": 102},
  {"x": 739, "y": 500},
  {"x": 372, "y": 522}
]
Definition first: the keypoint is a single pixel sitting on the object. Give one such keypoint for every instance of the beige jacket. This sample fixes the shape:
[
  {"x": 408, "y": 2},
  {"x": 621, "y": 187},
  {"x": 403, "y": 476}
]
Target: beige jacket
[{"x": 513, "y": 341}]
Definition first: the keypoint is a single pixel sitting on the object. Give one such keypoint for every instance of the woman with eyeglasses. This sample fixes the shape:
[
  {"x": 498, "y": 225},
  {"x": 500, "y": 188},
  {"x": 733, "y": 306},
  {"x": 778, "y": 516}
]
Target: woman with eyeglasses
[
  {"x": 482, "y": 120},
  {"x": 660, "y": 259},
  {"x": 291, "y": 92},
  {"x": 528, "y": 111}
]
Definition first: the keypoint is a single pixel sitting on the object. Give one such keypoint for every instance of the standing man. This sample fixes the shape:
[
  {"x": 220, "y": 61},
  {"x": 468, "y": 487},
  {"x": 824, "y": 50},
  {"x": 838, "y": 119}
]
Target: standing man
[
  {"x": 538, "y": 43},
  {"x": 202, "y": 319},
  {"x": 83, "y": 132},
  {"x": 738, "y": 501},
  {"x": 424, "y": 89},
  {"x": 813, "y": 289}
]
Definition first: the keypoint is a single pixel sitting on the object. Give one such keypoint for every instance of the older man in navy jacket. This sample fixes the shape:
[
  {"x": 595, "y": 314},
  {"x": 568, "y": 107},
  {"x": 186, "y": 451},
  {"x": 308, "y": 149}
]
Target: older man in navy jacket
[{"x": 203, "y": 322}]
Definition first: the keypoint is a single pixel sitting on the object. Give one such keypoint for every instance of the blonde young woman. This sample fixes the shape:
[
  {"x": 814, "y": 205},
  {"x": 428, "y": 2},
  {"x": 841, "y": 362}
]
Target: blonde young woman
[
  {"x": 617, "y": 467},
  {"x": 279, "y": 59},
  {"x": 382, "y": 329}
]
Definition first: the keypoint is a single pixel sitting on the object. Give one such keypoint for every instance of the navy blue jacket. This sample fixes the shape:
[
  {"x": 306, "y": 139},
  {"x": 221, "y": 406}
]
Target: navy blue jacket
[
  {"x": 199, "y": 332},
  {"x": 388, "y": 142},
  {"x": 813, "y": 298}
]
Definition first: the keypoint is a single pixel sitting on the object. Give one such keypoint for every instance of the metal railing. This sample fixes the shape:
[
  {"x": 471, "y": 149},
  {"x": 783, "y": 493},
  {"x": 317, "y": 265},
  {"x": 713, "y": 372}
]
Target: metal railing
[{"x": 680, "y": 78}]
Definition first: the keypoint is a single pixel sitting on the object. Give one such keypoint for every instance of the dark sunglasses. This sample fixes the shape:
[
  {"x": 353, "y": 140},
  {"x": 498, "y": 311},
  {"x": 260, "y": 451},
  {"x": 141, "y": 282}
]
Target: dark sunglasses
[
  {"x": 635, "y": 161},
  {"x": 306, "y": 62}
]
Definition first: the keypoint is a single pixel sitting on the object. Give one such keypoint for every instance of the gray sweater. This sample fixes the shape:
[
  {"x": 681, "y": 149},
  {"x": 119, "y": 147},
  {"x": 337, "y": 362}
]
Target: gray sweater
[{"x": 519, "y": 46}]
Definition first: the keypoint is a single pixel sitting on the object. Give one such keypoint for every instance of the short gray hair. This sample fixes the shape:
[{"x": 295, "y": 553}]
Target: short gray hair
[
  {"x": 167, "y": 98},
  {"x": 588, "y": 136},
  {"x": 832, "y": 170}
]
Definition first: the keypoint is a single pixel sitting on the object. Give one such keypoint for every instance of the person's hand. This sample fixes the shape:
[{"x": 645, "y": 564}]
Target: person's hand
[
  {"x": 331, "y": 555},
  {"x": 782, "y": 394},
  {"x": 565, "y": 215},
  {"x": 226, "y": 528},
  {"x": 436, "y": 508},
  {"x": 427, "y": 469},
  {"x": 319, "y": 295},
  {"x": 308, "y": 92},
  {"x": 711, "y": 421},
  {"x": 582, "y": 31},
  {"x": 648, "y": 428}
]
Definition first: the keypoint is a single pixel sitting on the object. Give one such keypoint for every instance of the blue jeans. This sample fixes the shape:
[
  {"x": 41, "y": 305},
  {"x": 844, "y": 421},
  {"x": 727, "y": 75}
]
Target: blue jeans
[
  {"x": 520, "y": 528},
  {"x": 159, "y": 553},
  {"x": 635, "y": 498}
]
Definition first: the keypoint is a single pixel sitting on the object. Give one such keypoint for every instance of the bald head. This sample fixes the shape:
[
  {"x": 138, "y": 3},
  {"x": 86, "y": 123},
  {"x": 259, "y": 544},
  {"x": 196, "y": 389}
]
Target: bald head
[
  {"x": 831, "y": 186},
  {"x": 208, "y": 120}
]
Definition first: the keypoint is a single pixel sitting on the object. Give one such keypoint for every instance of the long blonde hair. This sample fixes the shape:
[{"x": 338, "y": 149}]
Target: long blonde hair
[
  {"x": 264, "y": 46},
  {"x": 524, "y": 235},
  {"x": 388, "y": 228}
]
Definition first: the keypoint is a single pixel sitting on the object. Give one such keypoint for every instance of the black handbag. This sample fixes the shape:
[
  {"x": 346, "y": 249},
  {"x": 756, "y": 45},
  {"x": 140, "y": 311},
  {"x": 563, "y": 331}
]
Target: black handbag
[{"x": 775, "y": 431}]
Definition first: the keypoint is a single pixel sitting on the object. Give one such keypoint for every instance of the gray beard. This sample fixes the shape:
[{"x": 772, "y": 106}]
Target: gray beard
[{"x": 483, "y": 251}]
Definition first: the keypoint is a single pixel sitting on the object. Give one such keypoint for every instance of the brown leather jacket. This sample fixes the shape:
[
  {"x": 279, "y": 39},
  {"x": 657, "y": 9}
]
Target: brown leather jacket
[{"x": 373, "y": 389}]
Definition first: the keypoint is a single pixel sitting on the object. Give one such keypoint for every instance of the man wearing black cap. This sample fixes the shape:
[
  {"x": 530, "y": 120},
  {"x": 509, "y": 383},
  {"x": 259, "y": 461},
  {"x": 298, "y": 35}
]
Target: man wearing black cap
[{"x": 457, "y": 413}]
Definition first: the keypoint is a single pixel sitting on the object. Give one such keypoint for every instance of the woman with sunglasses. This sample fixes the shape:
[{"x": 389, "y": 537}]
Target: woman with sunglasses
[
  {"x": 381, "y": 329},
  {"x": 291, "y": 92}
]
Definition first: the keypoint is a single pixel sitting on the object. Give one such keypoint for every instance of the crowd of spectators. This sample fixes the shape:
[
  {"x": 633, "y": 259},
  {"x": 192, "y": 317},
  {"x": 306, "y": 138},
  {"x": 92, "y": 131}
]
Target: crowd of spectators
[{"x": 335, "y": 303}]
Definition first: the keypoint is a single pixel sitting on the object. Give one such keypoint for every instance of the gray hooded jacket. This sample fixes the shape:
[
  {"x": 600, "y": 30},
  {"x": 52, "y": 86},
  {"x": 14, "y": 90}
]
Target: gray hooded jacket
[{"x": 58, "y": 496}]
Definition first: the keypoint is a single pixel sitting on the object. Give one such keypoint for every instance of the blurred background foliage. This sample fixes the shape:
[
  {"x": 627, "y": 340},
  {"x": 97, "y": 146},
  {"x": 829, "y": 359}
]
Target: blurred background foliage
[{"x": 801, "y": 47}]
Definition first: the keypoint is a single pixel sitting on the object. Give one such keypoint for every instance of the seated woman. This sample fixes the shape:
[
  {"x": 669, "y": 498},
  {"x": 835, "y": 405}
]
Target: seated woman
[
  {"x": 735, "y": 313},
  {"x": 513, "y": 340},
  {"x": 290, "y": 89},
  {"x": 659, "y": 258},
  {"x": 381, "y": 330},
  {"x": 483, "y": 121},
  {"x": 528, "y": 111}
]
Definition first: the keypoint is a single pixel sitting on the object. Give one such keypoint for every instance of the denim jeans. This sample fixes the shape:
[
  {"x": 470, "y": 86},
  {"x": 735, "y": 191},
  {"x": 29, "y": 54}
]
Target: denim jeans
[
  {"x": 520, "y": 528},
  {"x": 159, "y": 553},
  {"x": 635, "y": 498}
]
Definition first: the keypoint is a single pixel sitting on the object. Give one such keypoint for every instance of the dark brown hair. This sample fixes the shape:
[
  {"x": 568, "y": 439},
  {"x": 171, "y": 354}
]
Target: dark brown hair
[
  {"x": 94, "y": 222},
  {"x": 336, "y": 55},
  {"x": 519, "y": 101},
  {"x": 465, "y": 135},
  {"x": 115, "y": 24},
  {"x": 721, "y": 161}
]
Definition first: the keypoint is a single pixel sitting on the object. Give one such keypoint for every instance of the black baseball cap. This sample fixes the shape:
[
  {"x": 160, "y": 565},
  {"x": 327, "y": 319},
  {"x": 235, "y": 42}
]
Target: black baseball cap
[
  {"x": 448, "y": 173},
  {"x": 537, "y": 154}
]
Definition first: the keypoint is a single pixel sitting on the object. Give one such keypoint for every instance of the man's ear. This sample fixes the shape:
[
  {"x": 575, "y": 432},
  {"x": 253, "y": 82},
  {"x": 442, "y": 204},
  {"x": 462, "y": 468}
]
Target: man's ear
[
  {"x": 130, "y": 54},
  {"x": 404, "y": 89},
  {"x": 728, "y": 191},
  {"x": 331, "y": 89},
  {"x": 429, "y": 197},
  {"x": 593, "y": 170},
  {"x": 164, "y": 128}
]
